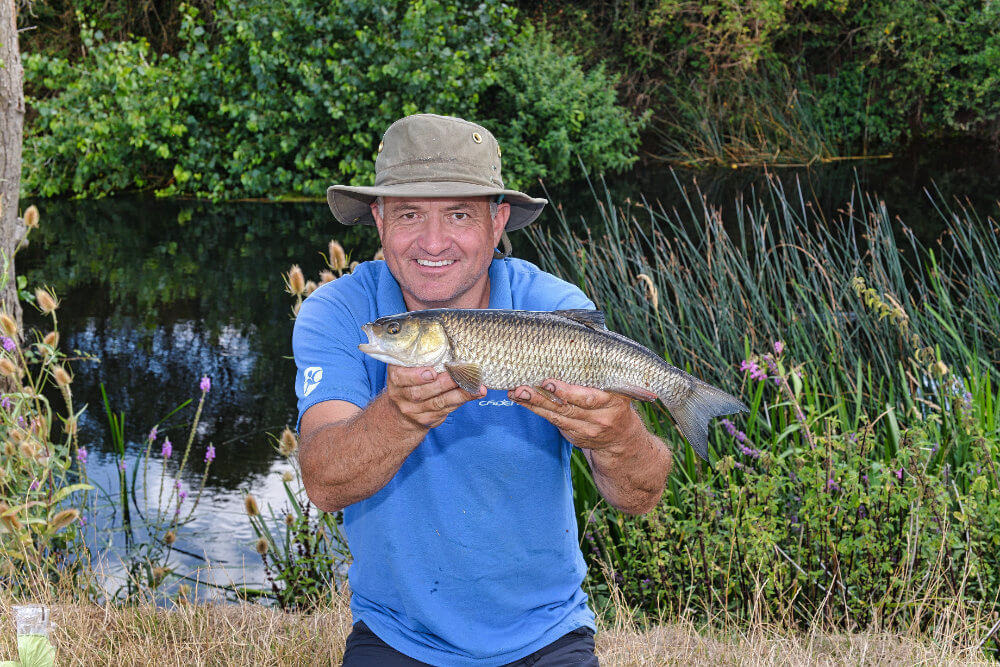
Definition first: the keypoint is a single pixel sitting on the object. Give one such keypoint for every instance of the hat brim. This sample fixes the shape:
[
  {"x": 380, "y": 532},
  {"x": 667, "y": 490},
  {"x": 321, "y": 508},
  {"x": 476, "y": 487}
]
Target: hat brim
[{"x": 351, "y": 205}]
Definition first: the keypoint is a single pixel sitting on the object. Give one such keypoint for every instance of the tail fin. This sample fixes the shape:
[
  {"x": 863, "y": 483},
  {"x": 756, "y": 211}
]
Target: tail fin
[{"x": 693, "y": 413}]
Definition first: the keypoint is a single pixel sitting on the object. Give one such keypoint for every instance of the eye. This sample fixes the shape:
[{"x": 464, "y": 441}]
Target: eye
[{"x": 392, "y": 328}]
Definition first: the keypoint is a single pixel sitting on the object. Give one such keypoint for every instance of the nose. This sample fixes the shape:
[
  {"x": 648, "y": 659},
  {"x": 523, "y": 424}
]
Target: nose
[{"x": 434, "y": 238}]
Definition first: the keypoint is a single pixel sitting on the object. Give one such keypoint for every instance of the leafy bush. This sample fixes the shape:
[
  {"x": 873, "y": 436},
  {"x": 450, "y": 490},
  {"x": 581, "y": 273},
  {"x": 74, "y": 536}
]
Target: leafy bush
[{"x": 270, "y": 99}]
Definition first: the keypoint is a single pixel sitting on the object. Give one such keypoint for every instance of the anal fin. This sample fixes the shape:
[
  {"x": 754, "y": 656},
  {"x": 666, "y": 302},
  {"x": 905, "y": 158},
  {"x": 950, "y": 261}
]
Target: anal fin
[{"x": 467, "y": 376}]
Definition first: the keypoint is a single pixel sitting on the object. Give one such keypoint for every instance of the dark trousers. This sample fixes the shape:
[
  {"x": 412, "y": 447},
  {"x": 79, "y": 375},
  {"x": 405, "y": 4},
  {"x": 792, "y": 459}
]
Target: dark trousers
[{"x": 365, "y": 649}]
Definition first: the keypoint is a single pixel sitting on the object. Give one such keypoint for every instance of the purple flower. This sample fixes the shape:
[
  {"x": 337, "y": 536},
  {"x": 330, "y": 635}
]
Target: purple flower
[
  {"x": 898, "y": 473},
  {"x": 181, "y": 496},
  {"x": 758, "y": 374},
  {"x": 8, "y": 343},
  {"x": 741, "y": 436},
  {"x": 206, "y": 384},
  {"x": 177, "y": 485},
  {"x": 121, "y": 465},
  {"x": 81, "y": 455},
  {"x": 748, "y": 365},
  {"x": 779, "y": 347},
  {"x": 777, "y": 380},
  {"x": 831, "y": 485},
  {"x": 167, "y": 449},
  {"x": 34, "y": 485},
  {"x": 5, "y": 403},
  {"x": 153, "y": 432},
  {"x": 210, "y": 454},
  {"x": 729, "y": 426}
]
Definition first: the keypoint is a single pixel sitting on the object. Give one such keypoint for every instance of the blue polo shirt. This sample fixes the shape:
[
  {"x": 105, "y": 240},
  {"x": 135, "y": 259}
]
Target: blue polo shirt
[{"x": 470, "y": 554}]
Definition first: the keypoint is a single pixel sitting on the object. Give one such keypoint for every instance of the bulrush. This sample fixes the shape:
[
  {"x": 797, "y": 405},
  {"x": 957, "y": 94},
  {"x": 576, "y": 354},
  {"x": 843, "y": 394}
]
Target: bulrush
[
  {"x": 31, "y": 217},
  {"x": 295, "y": 281},
  {"x": 250, "y": 503},
  {"x": 64, "y": 518},
  {"x": 9, "y": 368},
  {"x": 46, "y": 301},
  {"x": 338, "y": 258},
  {"x": 8, "y": 325},
  {"x": 61, "y": 376},
  {"x": 289, "y": 443}
]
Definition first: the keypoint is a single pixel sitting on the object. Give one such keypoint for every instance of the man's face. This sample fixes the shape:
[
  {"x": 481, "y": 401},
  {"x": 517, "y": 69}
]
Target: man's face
[{"x": 439, "y": 250}]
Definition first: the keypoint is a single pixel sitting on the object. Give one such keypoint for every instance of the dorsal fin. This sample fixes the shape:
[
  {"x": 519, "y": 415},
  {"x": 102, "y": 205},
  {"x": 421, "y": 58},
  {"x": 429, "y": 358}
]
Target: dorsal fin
[{"x": 588, "y": 318}]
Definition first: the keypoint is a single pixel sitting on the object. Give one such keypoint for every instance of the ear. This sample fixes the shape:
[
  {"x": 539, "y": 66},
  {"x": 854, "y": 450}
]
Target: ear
[{"x": 500, "y": 222}]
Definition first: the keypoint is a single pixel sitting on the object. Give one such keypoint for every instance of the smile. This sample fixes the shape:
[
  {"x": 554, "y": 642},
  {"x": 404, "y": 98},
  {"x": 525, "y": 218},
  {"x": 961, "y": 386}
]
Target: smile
[{"x": 443, "y": 262}]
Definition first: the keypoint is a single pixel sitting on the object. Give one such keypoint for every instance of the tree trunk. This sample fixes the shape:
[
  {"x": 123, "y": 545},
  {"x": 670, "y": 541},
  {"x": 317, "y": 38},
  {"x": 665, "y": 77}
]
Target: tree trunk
[{"x": 11, "y": 128}]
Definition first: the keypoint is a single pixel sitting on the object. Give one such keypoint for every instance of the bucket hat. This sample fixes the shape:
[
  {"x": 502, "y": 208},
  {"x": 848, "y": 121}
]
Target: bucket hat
[{"x": 426, "y": 155}]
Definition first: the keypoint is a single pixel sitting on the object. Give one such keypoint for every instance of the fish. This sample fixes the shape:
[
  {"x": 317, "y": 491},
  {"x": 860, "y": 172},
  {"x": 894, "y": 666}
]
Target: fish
[{"x": 504, "y": 349}]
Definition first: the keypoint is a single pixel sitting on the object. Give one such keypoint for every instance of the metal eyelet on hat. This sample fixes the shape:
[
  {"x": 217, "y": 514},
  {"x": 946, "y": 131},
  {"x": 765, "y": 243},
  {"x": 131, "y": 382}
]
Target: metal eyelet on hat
[{"x": 477, "y": 137}]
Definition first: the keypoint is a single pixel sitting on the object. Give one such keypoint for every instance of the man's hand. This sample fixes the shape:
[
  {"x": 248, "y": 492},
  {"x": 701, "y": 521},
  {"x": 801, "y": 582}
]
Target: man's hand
[
  {"x": 589, "y": 418},
  {"x": 424, "y": 397},
  {"x": 630, "y": 465}
]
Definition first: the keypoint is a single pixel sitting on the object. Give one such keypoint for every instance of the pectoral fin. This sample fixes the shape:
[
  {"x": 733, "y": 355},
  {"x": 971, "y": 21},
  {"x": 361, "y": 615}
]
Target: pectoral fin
[{"x": 466, "y": 376}]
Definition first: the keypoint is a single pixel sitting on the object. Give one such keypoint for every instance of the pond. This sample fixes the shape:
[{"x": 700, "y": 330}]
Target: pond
[{"x": 164, "y": 292}]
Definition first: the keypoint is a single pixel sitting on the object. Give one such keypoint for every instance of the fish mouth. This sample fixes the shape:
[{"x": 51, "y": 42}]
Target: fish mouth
[{"x": 374, "y": 350}]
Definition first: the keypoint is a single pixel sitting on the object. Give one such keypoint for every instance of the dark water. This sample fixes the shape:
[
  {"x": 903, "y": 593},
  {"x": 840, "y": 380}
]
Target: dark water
[{"x": 163, "y": 292}]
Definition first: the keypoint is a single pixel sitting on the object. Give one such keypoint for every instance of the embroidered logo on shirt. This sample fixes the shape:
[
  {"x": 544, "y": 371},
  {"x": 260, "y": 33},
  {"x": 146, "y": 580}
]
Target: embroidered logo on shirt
[
  {"x": 313, "y": 375},
  {"x": 504, "y": 403}
]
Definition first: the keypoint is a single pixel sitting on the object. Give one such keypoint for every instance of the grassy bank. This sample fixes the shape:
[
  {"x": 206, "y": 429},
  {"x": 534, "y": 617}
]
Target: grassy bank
[{"x": 248, "y": 634}]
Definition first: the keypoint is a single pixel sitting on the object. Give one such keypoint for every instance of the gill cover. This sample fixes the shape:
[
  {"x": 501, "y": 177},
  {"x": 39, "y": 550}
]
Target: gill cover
[{"x": 404, "y": 340}]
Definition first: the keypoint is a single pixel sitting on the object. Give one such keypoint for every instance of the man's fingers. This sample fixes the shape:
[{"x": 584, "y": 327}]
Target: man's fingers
[
  {"x": 410, "y": 377},
  {"x": 584, "y": 397}
]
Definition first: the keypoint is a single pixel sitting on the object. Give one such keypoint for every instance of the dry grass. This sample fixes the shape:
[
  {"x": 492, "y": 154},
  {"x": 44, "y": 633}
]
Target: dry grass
[{"x": 250, "y": 634}]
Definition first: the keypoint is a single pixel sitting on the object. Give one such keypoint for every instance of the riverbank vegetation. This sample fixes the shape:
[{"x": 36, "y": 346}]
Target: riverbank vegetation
[{"x": 265, "y": 99}]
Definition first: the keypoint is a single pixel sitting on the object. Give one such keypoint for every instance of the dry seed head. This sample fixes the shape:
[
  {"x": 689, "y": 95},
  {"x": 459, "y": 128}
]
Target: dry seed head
[
  {"x": 46, "y": 301},
  {"x": 287, "y": 476},
  {"x": 651, "y": 292},
  {"x": 70, "y": 427},
  {"x": 9, "y": 520},
  {"x": 338, "y": 258},
  {"x": 28, "y": 450},
  {"x": 310, "y": 288},
  {"x": 31, "y": 217},
  {"x": 51, "y": 339},
  {"x": 261, "y": 546},
  {"x": 250, "y": 503},
  {"x": 9, "y": 448},
  {"x": 17, "y": 435},
  {"x": 379, "y": 254},
  {"x": 326, "y": 276},
  {"x": 295, "y": 280},
  {"x": 939, "y": 369},
  {"x": 64, "y": 518},
  {"x": 289, "y": 519},
  {"x": 183, "y": 592},
  {"x": 289, "y": 443},
  {"x": 9, "y": 368},
  {"x": 8, "y": 325},
  {"x": 61, "y": 377},
  {"x": 169, "y": 537},
  {"x": 158, "y": 574},
  {"x": 353, "y": 266}
]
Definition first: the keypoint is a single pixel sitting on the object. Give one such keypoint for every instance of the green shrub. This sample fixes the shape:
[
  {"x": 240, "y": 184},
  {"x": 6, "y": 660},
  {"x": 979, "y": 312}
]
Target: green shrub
[{"x": 270, "y": 99}]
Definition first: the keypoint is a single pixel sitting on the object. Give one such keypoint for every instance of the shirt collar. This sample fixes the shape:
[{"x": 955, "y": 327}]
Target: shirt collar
[{"x": 389, "y": 300}]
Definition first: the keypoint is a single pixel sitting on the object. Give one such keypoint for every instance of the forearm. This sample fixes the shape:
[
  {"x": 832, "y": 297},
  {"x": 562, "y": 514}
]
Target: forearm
[
  {"x": 632, "y": 472},
  {"x": 347, "y": 461}
]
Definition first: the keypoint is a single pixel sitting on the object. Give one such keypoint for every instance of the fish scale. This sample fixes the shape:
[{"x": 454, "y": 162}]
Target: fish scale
[{"x": 504, "y": 349}]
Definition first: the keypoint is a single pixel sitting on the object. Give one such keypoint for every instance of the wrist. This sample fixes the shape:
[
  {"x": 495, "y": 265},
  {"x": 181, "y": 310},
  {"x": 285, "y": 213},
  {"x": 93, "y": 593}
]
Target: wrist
[{"x": 405, "y": 425}]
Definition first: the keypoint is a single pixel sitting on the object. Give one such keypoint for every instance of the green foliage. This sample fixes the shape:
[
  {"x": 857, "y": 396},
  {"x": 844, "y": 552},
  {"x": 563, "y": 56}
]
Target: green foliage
[
  {"x": 864, "y": 485},
  {"x": 547, "y": 111},
  {"x": 271, "y": 99}
]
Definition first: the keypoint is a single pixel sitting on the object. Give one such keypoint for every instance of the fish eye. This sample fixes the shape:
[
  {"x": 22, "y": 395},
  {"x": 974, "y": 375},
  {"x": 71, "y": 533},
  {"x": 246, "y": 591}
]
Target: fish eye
[{"x": 392, "y": 328}]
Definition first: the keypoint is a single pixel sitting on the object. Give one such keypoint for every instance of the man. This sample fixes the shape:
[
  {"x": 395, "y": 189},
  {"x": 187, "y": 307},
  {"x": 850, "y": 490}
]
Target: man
[{"x": 458, "y": 509}]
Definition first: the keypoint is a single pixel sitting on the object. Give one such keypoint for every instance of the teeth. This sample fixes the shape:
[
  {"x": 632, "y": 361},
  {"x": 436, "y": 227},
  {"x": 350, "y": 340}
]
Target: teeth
[{"x": 443, "y": 262}]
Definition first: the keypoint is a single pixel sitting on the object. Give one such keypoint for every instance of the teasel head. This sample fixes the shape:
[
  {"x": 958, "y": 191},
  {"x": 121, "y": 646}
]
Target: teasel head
[
  {"x": 63, "y": 519},
  {"x": 9, "y": 448},
  {"x": 61, "y": 376},
  {"x": 310, "y": 288},
  {"x": 338, "y": 258},
  {"x": 31, "y": 217},
  {"x": 159, "y": 573},
  {"x": 52, "y": 339},
  {"x": 70, "y": 427},
  {"x": 326, "y": 276},
  {"x": 262, "y": 546},
  {"x": 287, "y": 477},
  {"x": 939, "y": 369},
  {"x": 250, "y": 504},
  {"x": 169, "y": 537},
  {"x": 8, "y": 325},
  {"x": 354, "y": 265},
  {"x": 47, "y": 302},
  {"x": 289, "y": 443},
  {"x": 379, "y": 254},
  {"x": 16, "y": 434},
  {"x": 289, "y": 519},
  {"x": 9, "y": 368},
  {"x": 295, "y": 281}
]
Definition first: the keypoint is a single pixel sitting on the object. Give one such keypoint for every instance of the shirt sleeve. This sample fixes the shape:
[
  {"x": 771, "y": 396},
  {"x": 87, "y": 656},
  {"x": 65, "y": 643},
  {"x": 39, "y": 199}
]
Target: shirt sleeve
[{"x": 330, "y": 367}]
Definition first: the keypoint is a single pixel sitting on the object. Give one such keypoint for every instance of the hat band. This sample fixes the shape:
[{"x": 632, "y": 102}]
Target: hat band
[{"x": 434, "y": 171}]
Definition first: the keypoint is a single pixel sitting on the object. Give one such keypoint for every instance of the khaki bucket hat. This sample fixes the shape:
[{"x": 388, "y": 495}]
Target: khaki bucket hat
[{"x": 425, "y": 155}]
